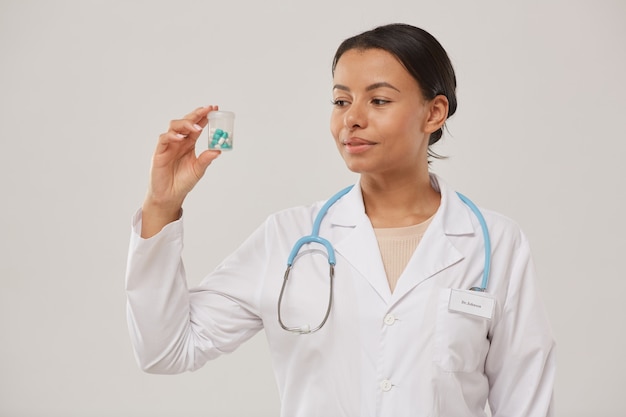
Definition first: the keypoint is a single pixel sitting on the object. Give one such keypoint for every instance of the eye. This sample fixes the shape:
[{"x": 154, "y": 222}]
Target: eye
[
  {"x": 380, "y": 101},
  {"x": 339, "y": 102}
]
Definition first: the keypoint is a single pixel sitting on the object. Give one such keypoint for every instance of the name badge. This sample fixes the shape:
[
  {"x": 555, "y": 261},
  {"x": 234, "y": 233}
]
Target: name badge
[{"x": 471, "y": 302}]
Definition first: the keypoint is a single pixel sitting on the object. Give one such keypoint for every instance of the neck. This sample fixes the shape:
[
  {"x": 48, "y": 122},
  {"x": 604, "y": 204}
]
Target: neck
[{"x": 399, "y": 203}]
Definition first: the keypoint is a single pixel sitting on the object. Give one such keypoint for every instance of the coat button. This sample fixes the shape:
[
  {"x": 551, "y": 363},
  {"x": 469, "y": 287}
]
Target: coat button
[
  {"x": 385, "y": 385},
  {"x": 389, "y": 319}
]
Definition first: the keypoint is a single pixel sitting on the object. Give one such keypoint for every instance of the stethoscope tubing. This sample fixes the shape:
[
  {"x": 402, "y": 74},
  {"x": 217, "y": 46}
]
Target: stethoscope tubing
[
  {"x": 314, "y": 237},
  {"x": 486, "y": 242}
]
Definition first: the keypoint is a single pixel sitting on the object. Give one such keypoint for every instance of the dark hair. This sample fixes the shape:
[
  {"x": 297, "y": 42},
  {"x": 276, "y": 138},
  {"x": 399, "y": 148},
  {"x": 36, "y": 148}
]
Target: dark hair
[{"x": 420, "y": 53}]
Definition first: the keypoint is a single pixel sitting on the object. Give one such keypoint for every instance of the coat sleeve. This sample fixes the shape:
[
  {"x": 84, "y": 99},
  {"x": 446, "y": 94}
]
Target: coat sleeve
[
  {"x": 174, "y": 329},
  {"x": 521, "y": 361}
]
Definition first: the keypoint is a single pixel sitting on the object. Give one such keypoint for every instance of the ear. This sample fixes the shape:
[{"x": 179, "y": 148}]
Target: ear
[{"x": 437, "y": 114}]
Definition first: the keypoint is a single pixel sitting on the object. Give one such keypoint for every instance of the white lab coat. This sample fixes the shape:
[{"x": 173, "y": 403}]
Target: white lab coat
[{"x": 380, "y": 353}]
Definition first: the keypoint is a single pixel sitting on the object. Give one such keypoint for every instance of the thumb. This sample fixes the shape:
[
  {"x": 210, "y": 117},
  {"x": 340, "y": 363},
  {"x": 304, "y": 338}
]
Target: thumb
[{"x": 204, "y": 160}]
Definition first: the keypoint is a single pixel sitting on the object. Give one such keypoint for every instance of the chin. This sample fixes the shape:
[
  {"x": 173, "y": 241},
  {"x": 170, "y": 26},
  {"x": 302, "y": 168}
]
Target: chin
[{"x": 355, "y": 166}]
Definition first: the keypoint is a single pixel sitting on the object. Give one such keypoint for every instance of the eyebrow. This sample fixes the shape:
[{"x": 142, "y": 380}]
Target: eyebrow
[{"x": 369, "y": 87}]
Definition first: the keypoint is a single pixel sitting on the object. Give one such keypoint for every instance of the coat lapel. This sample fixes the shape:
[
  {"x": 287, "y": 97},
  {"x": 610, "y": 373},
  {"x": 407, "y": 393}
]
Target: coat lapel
[
  {"x": 436, "y": 252},
  {"x": 354, "y": 239}
]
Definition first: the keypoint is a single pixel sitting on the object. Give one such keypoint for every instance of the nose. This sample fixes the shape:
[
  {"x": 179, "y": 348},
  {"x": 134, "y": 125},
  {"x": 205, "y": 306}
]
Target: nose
[{"x": 355, "y": 117}]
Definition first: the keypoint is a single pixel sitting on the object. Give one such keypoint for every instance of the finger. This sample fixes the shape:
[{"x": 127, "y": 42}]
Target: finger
[
  {"x": 188, "y": 127},
  {"x": 171, "y": 138},
  {"x": 199, "y": 114},
  {"x": 185, "y": 127},
  {"x": 192, "y": 122}
]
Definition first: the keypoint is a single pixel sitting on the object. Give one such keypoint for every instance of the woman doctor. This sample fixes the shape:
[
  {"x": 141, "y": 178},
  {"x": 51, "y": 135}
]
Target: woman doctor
[{"x": 399, "y": 339}]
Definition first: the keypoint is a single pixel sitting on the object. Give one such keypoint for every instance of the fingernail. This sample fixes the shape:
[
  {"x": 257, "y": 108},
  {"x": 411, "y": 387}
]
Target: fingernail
[
  {"x": 180, "y": 135},
  {"x": 197, "y": 127}
]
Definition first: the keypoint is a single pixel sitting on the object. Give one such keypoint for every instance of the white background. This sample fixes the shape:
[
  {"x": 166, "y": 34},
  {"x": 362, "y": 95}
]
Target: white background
[{"x": 87, "y": 86}]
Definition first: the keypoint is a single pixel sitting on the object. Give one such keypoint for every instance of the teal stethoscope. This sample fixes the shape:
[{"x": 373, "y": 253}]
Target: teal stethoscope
[{"x": 314, "y": 237}]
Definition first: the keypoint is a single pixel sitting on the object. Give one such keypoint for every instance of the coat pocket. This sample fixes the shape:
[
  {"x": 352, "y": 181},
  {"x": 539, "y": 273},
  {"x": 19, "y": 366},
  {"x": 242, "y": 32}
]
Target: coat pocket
[{"x": 461, "y": 342}]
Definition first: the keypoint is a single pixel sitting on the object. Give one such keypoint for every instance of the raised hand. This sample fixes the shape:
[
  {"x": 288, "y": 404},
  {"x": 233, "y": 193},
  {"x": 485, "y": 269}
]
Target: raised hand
[{"x": 175, "y": 170}]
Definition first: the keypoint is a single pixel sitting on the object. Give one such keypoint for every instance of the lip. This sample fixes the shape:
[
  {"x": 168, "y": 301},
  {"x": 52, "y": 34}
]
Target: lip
[{"x": 357, "y": 145}]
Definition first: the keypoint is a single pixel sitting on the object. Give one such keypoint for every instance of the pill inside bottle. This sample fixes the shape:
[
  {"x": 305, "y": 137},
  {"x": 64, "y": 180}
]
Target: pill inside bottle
[{"x": 221, "y": 127}]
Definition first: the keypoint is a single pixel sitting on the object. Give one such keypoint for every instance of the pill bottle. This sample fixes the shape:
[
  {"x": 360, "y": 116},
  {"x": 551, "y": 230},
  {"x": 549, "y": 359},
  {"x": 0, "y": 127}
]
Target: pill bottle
[{"x": 221, "y": 127}]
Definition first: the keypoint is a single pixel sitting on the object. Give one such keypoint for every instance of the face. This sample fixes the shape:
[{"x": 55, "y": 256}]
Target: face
[{"x": 380, "y": 120}]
